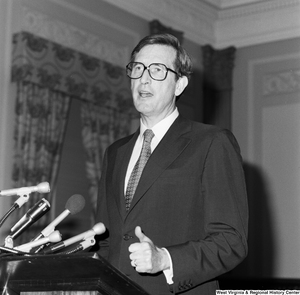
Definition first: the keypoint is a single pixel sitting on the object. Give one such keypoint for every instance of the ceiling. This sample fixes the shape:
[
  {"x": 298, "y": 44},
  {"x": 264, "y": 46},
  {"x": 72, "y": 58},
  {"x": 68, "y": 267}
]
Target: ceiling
[{"x": 222, "y": 23}]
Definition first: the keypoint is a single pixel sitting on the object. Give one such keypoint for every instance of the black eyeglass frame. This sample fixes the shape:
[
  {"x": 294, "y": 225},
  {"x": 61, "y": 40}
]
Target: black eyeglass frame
[{"x": 148, "y": 68}]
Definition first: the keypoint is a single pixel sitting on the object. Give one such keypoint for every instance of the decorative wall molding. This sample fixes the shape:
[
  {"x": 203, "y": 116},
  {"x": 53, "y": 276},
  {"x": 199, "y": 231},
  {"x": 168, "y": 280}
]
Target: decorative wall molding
[
  {"x": 270, "y": 83},
  {"x": 222, "y": 23},
  {"x": 70, "y": 36},
  {"x": 283, "y": 82}
]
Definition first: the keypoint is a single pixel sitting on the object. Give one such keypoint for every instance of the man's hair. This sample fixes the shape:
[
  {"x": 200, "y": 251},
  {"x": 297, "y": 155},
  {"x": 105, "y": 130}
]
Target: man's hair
[{"x": 182, "y": 63}]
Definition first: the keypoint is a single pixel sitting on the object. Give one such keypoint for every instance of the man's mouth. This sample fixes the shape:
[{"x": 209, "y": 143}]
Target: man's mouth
[{"x": 145, "y": 94}]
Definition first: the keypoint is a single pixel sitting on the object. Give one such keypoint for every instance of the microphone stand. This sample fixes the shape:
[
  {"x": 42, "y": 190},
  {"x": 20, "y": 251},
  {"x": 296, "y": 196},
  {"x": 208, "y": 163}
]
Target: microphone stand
[{"x": 7, "y": 250}]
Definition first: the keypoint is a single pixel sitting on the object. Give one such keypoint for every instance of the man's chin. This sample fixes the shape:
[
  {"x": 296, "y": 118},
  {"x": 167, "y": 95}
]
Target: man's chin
[{"x": 143, "y": 107}]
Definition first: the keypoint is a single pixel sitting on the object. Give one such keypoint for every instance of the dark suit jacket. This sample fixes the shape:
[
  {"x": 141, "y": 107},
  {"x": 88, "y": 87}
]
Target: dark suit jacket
[{"x": 191, "y": 199}]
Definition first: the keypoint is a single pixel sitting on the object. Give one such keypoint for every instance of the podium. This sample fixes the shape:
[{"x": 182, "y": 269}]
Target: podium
[{"x": 73, "y": 272}]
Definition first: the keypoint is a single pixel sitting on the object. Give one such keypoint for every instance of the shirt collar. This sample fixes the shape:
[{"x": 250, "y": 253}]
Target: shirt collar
[{"x": 161, "y": 128}]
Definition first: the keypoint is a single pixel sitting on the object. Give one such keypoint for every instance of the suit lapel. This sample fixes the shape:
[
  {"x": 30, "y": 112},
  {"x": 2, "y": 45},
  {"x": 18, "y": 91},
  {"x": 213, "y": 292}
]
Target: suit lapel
[{"x": 170, "y": 147}]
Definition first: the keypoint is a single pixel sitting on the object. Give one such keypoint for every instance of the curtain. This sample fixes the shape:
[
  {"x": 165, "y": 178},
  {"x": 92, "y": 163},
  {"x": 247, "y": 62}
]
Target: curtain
[
  {"x": 106, "y": 116},
  {"x": 41, "y": 116},
  {"x": 101, "y": 127},
  {"x": 48, "y": 75}
]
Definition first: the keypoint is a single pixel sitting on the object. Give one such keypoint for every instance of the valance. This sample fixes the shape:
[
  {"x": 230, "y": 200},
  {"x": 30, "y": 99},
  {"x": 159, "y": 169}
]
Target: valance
[{"x": 48, "y": 64}]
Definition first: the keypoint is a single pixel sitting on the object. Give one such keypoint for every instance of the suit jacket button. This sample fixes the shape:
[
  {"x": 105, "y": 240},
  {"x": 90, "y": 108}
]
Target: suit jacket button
[{"x": 127, "y": 237}]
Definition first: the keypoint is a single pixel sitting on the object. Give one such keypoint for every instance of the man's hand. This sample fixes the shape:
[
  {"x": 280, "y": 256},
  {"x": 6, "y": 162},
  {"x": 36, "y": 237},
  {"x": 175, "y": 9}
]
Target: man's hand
[{"x": 146, "y": 257}]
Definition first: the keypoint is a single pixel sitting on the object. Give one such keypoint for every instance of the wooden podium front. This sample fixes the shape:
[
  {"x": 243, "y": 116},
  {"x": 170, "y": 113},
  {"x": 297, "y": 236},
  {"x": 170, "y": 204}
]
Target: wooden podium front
[{"x": 85, "y": 273}]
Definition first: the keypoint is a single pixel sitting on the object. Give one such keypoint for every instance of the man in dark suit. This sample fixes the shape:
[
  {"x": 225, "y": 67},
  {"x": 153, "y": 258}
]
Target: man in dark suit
[{"x": 187, "y": 220}]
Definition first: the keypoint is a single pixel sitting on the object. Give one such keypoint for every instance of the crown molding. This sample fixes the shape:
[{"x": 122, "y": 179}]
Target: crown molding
[
  {"x": 222, "y": 23},
  {"x": 221, "y": 4},
  {"x": 265, "y": 21}
]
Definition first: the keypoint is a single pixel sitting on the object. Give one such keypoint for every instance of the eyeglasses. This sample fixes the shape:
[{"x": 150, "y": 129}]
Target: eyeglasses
[{"x": 157, "y": 71}]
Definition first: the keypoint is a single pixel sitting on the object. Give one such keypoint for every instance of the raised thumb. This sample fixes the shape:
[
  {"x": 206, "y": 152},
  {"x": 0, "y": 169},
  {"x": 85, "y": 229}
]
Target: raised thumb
[{"x": 140, "y": 235}]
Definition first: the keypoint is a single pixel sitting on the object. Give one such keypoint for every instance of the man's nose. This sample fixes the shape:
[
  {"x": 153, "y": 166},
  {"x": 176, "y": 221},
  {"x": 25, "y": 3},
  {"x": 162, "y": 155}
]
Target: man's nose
[{"x": 145, "y": 77}]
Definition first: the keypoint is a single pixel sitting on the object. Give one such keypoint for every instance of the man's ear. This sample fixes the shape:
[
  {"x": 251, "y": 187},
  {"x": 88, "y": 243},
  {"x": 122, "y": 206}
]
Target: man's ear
[{"x": 181, "y": 83}]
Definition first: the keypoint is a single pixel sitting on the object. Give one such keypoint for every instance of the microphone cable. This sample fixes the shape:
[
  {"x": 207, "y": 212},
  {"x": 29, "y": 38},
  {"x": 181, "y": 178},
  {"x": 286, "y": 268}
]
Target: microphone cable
[{"x": 8, "y": 213}]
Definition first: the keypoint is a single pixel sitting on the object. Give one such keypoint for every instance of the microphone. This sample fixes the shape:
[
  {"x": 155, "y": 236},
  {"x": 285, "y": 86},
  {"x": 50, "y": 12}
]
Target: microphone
[
  {"x": 43, "y": 187},
  {"x": 31, "y": 216},
  {"x": 97, "y": 229},
  {"x": 52, "y": 238},
  {"x": 81, "y": 246},
  {"x": 74, "y": 205}
]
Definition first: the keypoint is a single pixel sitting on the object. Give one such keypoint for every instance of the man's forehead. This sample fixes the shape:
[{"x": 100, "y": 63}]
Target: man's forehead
[{"x": 156, "y": 53}]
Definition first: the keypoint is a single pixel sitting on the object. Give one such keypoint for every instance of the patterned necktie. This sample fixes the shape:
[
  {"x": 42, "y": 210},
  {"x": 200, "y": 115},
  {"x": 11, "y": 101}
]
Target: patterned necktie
[{"x": 138, "y": 168}]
